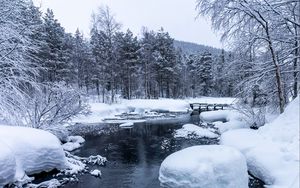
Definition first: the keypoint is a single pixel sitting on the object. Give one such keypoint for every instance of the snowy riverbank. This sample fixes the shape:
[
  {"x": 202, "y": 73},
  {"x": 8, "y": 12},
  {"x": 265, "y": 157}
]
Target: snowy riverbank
[
  {"x": 25, "y": 152},
  {"x": 101, "y": 111},
  {"x": 272, "y": 151}
]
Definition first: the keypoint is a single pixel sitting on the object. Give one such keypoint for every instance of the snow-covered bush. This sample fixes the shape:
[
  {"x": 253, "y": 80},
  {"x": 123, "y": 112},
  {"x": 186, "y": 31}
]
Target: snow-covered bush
[
  {"x": 254, "y": 116},
  {"x": 17, "y": 70},
  {"x": 48, "y": 108}
]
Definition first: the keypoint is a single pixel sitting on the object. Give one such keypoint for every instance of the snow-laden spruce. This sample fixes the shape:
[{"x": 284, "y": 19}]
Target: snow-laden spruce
[
  {"x": 272, "y": 151},
  {"x": 207, "y": 166},
  {"x": 25, "y": 151},
  {"x": 191, "y": 130}
]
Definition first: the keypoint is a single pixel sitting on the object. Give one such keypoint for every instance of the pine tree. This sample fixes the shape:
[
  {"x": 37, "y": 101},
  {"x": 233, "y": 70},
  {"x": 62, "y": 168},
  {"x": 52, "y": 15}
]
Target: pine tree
[
  {"x": 165, "y": 61},
  {"x": 52, "y": 52},
  {"x": 148, "y": 43},
  {"x": 128, "y": 56},
  {"x": 205, "y": 74},
  {"x": 102, "y": 39},
  {"x": 82, "y": 61}
]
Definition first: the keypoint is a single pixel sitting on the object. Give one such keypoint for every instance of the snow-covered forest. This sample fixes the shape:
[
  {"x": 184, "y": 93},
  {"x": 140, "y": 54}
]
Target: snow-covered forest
[{"x": 55, "y": 82}]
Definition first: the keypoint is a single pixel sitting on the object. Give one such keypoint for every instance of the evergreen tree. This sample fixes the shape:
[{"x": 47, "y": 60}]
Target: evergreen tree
[
  {"x": 148, "y": 43},
  {"x": 165, "y": 60},
  {"x": 52, "y": 52},
  {"x": 103, "y": 31},
  {"x": 82, "y": 61},
  {"x": 128, "y": 56},
  {"x": 205, "y": 74}
]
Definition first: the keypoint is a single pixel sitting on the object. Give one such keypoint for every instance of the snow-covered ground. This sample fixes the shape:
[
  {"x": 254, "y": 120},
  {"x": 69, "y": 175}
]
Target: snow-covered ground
[
  {"x": 101, "y": 111},
  {"x": 212, "y": 166},
  {"x": 25, "y": 151},
  {"x": 272, "y": 151},
  {"x": 191, "y": 130}
]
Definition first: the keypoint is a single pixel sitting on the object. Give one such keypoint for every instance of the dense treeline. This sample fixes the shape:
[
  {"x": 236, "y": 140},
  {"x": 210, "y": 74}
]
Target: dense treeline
[
  {"x": 45, "y": 72},
  {"x": 114, "y": 64}
]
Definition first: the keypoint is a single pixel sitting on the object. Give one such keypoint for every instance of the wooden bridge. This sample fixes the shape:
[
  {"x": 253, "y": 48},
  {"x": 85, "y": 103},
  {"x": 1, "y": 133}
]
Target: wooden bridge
[{"x": 204, "y": 107}]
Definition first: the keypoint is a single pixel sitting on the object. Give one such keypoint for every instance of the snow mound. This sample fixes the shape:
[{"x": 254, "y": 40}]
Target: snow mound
[
  {"x": 272, "y": 151},
  {"x": 28, "y": 151},
  {"x": 191, "y": 130},
  {"x": 7, "y": 164},
  {"x": 225, "y": 120},
  {"x": 212, "y": 116},
  {"x": 96, "y": 173},
  {"x": 207, "y": 166},
  {"x": 53, "y": 183},
  {"x": 74, "y": 142}
]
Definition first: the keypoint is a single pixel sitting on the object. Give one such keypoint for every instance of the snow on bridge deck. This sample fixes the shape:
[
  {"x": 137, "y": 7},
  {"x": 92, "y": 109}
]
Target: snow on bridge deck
[{"x": 203, "y": 107}]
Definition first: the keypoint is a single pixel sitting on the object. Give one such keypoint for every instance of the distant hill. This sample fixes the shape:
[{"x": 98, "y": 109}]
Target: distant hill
[{"x": 192, "y": 48}]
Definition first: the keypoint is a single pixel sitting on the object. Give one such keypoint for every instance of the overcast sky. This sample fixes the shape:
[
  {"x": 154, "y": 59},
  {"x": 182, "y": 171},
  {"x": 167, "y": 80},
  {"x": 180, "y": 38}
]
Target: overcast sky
[{"x": 175, "y": 16}]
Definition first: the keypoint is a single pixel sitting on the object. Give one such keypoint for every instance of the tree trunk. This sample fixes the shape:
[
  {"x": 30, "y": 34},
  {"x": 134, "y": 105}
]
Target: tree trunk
[
  {"x": 296, "y": 71},
  {"x": 146, "y": 82},
  {"x": 277, "y": 76},
  {"x": 97, "y": 88}
]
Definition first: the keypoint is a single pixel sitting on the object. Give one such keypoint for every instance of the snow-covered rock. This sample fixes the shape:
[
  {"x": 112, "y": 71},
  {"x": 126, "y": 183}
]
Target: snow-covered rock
[
  {"x": 191, "y": 130},
  {"x": 53, "y": 183},
  {"x": 225, "y": 120},
  {"x": 74, "y": 142},
  {"x": 207, "y": 166},
  {"x": 272, "y": 151},
  {"x": 96, "y": 173},
  {"x": 28, "y": 151}
]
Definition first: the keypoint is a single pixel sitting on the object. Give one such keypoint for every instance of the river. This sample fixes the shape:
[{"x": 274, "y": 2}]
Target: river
[{"x": 134, "y": 155}]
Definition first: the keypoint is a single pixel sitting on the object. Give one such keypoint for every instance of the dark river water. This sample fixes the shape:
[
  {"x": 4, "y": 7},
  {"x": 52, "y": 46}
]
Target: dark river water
[{"x": 134, "y": 155}]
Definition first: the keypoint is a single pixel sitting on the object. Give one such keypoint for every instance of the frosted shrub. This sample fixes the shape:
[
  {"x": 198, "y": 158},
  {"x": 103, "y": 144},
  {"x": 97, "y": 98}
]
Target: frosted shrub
[
  {"x": 254, "y": 116},
  {"x": 51, "y": 107}
]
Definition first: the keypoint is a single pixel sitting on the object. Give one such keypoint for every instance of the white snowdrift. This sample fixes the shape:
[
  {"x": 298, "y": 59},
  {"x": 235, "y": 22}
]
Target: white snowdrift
[
  {"x": 191, "y": 130},
  {"x": 28, "y": 151},
  {"x": 272, "y": 151},
  {"x": 101, "y": 111},
  {"x": 225, "y": 120},
  {"x": 207, "y": 166}
]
